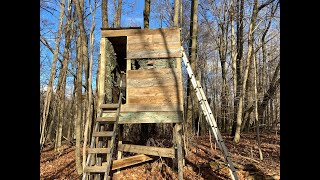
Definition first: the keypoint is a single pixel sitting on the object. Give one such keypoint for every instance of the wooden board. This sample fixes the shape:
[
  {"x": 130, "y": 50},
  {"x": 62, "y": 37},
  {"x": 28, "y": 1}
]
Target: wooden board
[
  {"x": 129, "y": 161},
  {"x": 151, "y": 107},
  {"x": 151, "y": 46},
  {"x": 147, "y": 117},
  {"x": 148, "y": 82},
  {"x": 159, "y": 53},
  {"x": 154, "y": 151},
  {"x": 120, "y": 163},
  {"x": 153, "y": 73},
  {"x": 99, "y": 150},
  {"x": 157, "y": 94},
  {"x": 153, "y": 99},
  {"x": 135, "y": 32},
  {"x": 166, "y": 39},
  {"x": 155, "y": 90}
]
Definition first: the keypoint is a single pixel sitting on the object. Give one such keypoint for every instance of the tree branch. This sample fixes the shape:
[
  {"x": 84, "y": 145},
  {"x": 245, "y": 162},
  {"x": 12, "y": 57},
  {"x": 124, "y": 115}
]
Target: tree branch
[{"x": 45, "y": 42}]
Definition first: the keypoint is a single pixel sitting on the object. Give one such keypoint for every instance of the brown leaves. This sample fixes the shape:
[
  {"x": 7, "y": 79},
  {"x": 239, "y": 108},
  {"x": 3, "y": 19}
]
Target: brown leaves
[{"x": 201, "y": 163}]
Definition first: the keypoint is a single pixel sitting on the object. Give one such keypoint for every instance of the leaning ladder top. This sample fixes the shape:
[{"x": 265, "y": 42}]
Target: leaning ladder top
[{"x": 208, "y": 114}]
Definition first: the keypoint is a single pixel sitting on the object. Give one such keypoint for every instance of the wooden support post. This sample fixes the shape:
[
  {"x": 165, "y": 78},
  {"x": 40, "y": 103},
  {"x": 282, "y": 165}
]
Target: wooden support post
[
  {"x": 119, "y": 142},
  {"x": 180, "y": 158},
  {"x": 128, "y": 68},
  {"x": 100, "y": 91}
]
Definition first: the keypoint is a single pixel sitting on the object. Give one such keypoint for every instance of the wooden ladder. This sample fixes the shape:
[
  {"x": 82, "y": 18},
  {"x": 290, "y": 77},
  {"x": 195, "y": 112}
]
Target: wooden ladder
[
  {"x": 208, "y": 115},
  {"x": 95, "y": 146}
]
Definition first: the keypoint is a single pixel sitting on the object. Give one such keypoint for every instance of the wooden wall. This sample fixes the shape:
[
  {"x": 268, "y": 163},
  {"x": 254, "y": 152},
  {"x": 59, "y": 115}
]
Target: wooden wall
[
  {"x": 153, "y": 95},
  {"x": 149, "y": 43},
  {"x": 154, "y": 90}
]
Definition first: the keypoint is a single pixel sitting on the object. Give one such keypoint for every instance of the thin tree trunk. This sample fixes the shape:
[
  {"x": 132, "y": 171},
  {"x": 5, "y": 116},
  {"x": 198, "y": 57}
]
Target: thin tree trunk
[
  {"x": 176, "y": 14},
  {"x": 233, "y": 55},
  {"x": 146, "y": 13},
  {"x": 79, "y": 108},
  {"x": 104, "y": 12},
  {"x": 118, "y": 14},
  {"x": 270, "y": 92},
  {"x": 240, "y": 22},
  {"x": 192, "y": 111},
  {"x": 256, "y": 104},
  {"x": 90, "y": 106},
  {"x": 62, "y": 77},
  {"x": 249, "y": 54},
  {"x": 52, "y": 74}
]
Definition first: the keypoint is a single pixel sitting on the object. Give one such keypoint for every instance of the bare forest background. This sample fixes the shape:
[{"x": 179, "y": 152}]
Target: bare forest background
[{"x": 236, "y": 57}]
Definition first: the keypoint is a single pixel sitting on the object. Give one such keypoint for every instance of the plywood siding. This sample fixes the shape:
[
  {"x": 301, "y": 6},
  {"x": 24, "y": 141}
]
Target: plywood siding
[
  {"x": 149, "y": 43},
  {"x": 155, "y": 86}
]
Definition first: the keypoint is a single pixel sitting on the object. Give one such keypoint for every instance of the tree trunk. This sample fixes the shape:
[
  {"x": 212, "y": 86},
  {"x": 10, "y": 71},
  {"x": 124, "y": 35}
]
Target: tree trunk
[
  {"x": 118, "y": 14},
  {"x": 256, "y": 104},
  {"x": 249, "y": 54},
  {"x": 146, "y": 13},
  {"x": 52, "y": 75},
  {"x": 240, "y": 22},
  {"x": 78, "y": 116},
  {"x": 270, "y": 93},
  {"x": 104, "y": 12},
  {"x": 192, "y": 111},
  {"x": 233, "y": 55},
  {"x": 62, "y": 77},
  {"x": 176, "y": 14},
  {"x": 89, "y": 95}
]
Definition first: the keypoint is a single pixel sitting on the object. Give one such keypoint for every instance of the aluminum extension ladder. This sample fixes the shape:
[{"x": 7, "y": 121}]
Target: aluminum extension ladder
[{"x": 208, "y": 114}]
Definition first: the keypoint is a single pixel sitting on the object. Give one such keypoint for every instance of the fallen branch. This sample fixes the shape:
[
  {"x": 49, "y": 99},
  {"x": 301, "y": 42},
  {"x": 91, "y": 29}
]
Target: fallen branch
[{"x": 249, "y": 158}]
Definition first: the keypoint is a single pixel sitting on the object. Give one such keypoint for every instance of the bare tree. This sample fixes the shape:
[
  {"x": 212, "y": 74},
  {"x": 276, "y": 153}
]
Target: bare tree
[
  {"x": 62, "y": 76},
  {"x": 118, "y": 14},
  {"x": 90, "y": 97},
  {"x": 245, "y": 76},
  {"x": 146, "y": 13},
  {"x": 52, "y": 75},
  {"x": 192, "y": 111}
]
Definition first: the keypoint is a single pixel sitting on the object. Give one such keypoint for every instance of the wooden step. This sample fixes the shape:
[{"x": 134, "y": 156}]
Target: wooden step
[
  {"x": 99, "y": 150},
  {"x": 109, "y": 106},
  {"x": 106, "y": 119},
  {"x": 102, "y": 134},
  {"x": 128, "y": 161},
  {"x": 95, "y": 169}
]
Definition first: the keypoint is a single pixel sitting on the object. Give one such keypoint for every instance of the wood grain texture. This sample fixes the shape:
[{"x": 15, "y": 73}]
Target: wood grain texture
[
  {"x": 151, "y": 107},
  {"x": 154, "y": 53},
  {"x": 149, "y": 82},
  {"x": 135, "y": 32},
  {"x": 154, "y": 151},
  {"x": 129, "y": 161},
  {"x": 147, "y": 117},
  {"x": 153, "y": 73}
]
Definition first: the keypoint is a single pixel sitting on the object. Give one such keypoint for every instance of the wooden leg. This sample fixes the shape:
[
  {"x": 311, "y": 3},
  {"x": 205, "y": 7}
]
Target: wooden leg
[
  {"x": 120, "y": 142},
  {"x": 178, "y": 138}
]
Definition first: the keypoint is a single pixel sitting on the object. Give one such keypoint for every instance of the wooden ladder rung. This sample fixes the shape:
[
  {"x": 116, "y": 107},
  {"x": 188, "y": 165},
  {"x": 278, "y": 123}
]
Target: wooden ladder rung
[
  {"x": 109, "y": 106},
  {"x": 106, "y": 119},
  {"x": 102, "y": 134},
  {"x": 99, "y": 150},
  {"x": 95, "y": 169}
]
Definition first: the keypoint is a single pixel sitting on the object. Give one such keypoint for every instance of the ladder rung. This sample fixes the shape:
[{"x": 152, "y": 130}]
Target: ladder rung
[
  {"x": 109, "y": 106},
  {"x": 95, "y": 169},
  {"x": 102, "y": 134},
  {"x": 98, "y": 150},
  {"x": 106, "y": 119}
]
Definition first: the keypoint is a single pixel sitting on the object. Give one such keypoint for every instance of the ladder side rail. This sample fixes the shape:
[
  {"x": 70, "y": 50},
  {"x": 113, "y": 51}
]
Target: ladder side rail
[
  {"x": 96, "y": 127},
  {"x": 208, "y": 114},
  {"x": 115, "y": 126}
]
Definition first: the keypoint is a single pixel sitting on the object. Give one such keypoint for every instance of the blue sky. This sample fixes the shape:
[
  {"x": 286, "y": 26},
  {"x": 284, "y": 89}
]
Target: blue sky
[{"x": 132, "y": 15}]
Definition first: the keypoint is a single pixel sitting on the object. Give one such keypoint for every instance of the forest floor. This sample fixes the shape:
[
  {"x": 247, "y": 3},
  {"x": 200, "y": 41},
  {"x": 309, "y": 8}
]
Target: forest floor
[{"x": 201, "y": 162}]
